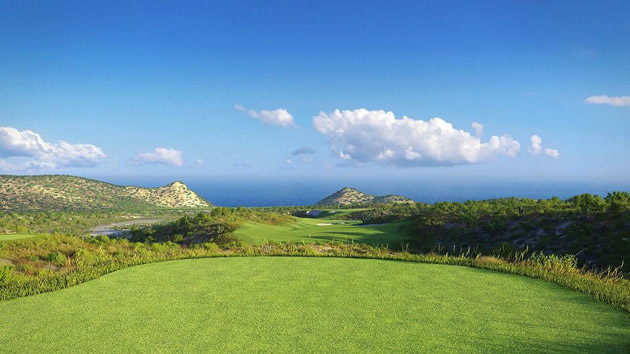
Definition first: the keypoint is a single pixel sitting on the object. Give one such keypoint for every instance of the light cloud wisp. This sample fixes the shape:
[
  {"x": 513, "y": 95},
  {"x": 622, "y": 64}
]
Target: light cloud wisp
[
  {"x": 277, "y": 117},
  {"x": 617, "y": 101},
  {"x": 160, "y": 156}
]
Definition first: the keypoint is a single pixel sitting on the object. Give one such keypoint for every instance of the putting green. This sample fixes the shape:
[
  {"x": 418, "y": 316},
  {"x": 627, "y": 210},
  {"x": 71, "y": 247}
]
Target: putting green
[
  {"x": 283, "y": 304},
  {"x": 324, "y": 230}
]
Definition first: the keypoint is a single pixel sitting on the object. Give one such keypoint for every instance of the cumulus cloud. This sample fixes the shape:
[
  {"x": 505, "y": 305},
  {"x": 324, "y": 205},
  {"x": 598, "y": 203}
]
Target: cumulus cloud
[
  {"x": 44, "y": 155},
  {"x": 378, "y": 136},
  {"x": 536, "y": 147},
  {"x": 160, "y": 156},
  {"x": 617, "y": 101},
  {"x": 303, "y": 151},
  {"x": 278, "y": 117}
]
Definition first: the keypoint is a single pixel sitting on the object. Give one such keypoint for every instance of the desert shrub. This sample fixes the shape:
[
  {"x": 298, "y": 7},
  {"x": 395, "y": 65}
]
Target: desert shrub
[
  {"x": 100, "y": 239},
  {"x": 6, "y": 275},
  {"x": 210, "y": 246},
  {"x": 485, "y": 261},
  {"x": 84, "y": 258},
  {"x": 505, "y": 250},
  {"x": 177, "y": 238},
  {"x": 228, "y": 240},
  {"x": 56, "y": 258}
]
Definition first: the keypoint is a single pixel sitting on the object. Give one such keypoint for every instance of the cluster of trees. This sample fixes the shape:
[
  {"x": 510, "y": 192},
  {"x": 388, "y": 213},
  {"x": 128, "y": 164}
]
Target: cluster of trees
[
  {"x": 474, "y": 210},
  {"x": 214, "y": 226},
  {"x": 594, "y": 228}
]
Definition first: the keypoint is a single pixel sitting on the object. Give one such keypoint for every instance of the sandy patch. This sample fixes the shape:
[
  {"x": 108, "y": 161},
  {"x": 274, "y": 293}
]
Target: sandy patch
[{"x": 324, "y": 224}]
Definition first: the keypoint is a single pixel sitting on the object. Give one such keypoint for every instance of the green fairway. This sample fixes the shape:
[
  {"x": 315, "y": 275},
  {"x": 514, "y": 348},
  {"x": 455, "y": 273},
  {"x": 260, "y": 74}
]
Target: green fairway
[
  {"x": 324, "y": 230},
  {"x": 9, "y": 237},
  {"x": 275, "y": 304}
]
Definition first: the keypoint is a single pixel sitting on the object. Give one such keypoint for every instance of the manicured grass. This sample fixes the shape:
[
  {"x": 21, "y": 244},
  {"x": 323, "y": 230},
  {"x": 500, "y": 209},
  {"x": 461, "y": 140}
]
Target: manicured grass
[
  {"x": 317, "y": 230},
  {"x": 14, "y": 237},
  {"x": 290, "y": 304}
]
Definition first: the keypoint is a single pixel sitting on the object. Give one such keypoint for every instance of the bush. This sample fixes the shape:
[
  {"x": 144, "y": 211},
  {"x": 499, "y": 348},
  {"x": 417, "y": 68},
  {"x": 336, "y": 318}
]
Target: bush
[
  {"x": 177, "y": 238},
  {"x": 56, "y": 258},
  {"x": 228, "y": 241},
  {"x": 209, "y": 246},
  {"x": 6, "y": 274}
]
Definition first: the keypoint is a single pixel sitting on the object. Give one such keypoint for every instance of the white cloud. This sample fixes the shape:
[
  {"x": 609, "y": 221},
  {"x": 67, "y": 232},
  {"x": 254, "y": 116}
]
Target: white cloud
[
  {"x": 278, "y": 117},
  {"x": 364, "y": 136},
  {"x": 160, "y": 156},
  {"x": 535, "y": 144},
  {"x": 617, "y": 101},
  {"x": 536, "y": 147},
  {"x": 553, "y": 153},
  {"x": 478, "y": 127},
  {"x": 44, "y": 155}
]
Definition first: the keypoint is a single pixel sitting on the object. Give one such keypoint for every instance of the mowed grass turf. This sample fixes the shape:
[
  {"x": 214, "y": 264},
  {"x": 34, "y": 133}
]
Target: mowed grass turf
[
  {"x": 9, "y": 237},
  {"x": 285, "y": 304},
  {"x": 324, "y": 230}
]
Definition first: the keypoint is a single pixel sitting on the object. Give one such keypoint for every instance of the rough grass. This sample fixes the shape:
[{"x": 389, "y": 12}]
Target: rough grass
[
  {"x": 313, "y": 230},
  {"x": 9, "y": 237},
  {"x": 293, "y": 304}
]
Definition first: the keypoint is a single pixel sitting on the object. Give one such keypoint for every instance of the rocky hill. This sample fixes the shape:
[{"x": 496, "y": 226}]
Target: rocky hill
[
  {"x": 350, "y": 196},
  {"x": 60, "y": 192}
]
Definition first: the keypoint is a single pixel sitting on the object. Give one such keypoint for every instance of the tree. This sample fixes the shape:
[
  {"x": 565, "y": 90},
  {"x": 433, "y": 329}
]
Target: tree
[
  {"x": 589, "y": 203},
  {"x": 618, "y": 201}
]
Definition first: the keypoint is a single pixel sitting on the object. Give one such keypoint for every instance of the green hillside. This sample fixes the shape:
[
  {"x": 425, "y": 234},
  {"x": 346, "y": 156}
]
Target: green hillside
[{"x": 61, "y": 192}]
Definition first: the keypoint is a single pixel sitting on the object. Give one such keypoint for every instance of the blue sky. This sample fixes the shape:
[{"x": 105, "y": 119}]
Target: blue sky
[{"x": 126, "y": 78}]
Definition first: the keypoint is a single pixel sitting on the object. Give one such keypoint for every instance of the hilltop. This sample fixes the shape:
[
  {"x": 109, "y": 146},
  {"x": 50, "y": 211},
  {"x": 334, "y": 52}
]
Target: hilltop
[
  {"x": 61, "y": 192},
  {"x": 351, "y": 196}
]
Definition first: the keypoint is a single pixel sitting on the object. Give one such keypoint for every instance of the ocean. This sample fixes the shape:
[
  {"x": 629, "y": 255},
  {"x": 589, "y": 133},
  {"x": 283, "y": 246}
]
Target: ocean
[{"x": 283, "y": 191}]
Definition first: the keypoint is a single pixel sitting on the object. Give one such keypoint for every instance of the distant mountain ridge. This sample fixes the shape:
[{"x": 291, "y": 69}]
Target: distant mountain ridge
[
  {"x": 63, "y": 192},
  {"x": 351, "y": 196}
]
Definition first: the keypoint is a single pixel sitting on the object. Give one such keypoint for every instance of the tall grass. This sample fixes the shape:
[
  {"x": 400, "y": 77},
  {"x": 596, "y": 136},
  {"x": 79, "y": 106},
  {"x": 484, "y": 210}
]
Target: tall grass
[{"x": 33, "y": 266}]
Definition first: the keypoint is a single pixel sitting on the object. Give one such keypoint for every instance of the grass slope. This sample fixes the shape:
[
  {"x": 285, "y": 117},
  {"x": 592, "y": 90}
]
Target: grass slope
[
  {"x": 318, "y": 230},
  {"x": 9, "y": 237},
  {"x": 273, "y": 304}
]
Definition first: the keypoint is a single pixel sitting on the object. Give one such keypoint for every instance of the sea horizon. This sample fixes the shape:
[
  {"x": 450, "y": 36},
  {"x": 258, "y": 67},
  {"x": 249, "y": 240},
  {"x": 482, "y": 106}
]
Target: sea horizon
[{"x": 298, "y": 190}]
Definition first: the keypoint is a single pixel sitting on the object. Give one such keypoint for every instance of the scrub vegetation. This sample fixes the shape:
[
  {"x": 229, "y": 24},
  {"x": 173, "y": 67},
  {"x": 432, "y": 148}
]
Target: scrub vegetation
[{"x": 52, "y": 262}]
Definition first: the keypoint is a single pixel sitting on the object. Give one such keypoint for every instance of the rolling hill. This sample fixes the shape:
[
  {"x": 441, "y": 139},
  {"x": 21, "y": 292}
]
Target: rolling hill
[
  {"x": 62, "y": 192},
  {"x": 351, "y": 196}
]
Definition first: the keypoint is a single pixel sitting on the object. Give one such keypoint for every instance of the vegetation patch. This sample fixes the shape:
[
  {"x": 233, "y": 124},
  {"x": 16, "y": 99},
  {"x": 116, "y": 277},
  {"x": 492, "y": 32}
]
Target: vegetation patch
[{"x": 31, "y": 270}]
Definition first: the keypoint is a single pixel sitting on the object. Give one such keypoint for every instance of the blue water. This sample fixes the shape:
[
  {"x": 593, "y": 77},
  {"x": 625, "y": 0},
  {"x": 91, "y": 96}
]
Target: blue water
[{"x": 305, "y": 191}]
